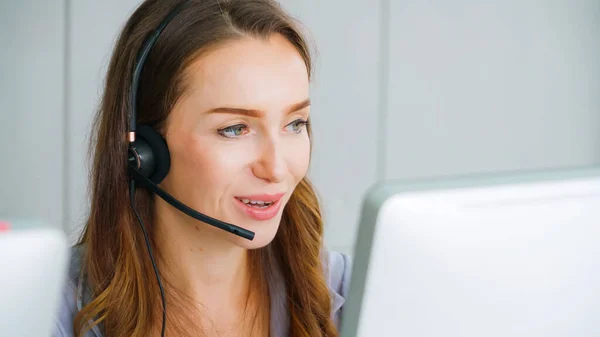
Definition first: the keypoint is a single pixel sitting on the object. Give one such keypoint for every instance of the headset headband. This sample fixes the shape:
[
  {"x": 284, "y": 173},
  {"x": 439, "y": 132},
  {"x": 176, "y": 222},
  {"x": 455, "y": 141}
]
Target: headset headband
[{"x": 141, "y": 60}]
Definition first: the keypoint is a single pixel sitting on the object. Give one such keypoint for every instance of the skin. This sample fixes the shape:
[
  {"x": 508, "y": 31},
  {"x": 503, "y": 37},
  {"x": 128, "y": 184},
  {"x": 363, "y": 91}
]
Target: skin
[{"x": 218, "y": 155}]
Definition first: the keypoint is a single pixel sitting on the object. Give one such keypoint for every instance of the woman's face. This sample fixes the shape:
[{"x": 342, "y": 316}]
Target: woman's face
[{"x": 237, "y": 137}]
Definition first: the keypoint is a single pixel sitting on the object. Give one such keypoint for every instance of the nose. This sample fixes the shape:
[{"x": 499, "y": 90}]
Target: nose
[{"x": 271, "y": 164}]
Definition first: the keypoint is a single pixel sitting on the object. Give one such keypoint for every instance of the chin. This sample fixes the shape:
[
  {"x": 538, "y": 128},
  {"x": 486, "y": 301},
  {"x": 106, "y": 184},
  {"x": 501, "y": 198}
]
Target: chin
[
  {"x": 260, "y": 241},
  {"x": 263, "y": 235}
]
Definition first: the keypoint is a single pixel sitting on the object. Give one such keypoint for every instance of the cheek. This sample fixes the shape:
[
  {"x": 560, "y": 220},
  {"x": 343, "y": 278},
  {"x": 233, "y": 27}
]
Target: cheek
[
  {"x": 217, "y": 166},
  {"x": 196, "y": 164},
  {"x": 191, "y": 161},
  {"x": 209, "y": 165},
  {"x": 299, "y": 159}
]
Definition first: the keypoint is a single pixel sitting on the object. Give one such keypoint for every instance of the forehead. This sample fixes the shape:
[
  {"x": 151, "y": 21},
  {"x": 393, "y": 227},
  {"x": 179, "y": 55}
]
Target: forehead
[{"x": 264, "y": 74}]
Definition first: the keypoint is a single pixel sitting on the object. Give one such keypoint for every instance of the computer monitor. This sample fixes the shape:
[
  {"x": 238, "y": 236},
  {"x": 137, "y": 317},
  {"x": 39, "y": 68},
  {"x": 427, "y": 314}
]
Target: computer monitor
[
  {"x": 511, "y": 255},
  {"x": 33, "y": 266}
]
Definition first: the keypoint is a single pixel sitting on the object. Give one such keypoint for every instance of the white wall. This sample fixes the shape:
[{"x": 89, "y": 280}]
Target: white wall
[
  {"x": 492, "y": 85},
  {"x": 32, "y": 114},
  {"x": 403, "y": 89}
]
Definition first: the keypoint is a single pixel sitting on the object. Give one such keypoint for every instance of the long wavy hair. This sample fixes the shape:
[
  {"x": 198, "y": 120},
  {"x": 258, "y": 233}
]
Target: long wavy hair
[{"x": 125, "y": 297}]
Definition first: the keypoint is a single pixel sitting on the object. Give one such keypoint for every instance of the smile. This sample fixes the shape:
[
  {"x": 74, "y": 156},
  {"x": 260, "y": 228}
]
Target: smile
[
  {"x": 257, "y": 203},
  {"x": 260, "y": 207}
]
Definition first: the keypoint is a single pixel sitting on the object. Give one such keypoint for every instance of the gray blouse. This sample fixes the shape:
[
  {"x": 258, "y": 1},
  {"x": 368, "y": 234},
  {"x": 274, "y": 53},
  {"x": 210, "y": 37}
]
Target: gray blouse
[{"x": 337, "y": 268}]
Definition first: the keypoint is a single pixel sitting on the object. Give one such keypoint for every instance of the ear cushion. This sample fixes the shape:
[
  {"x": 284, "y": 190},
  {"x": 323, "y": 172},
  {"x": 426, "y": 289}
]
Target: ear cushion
[{"x": 161, "y": 157}]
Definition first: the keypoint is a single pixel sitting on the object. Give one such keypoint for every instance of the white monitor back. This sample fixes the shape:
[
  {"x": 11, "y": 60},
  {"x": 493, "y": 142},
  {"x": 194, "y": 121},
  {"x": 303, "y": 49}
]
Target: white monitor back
[
  {"x": 491, "y": 256},
  {"x": 33, "y": 266}
]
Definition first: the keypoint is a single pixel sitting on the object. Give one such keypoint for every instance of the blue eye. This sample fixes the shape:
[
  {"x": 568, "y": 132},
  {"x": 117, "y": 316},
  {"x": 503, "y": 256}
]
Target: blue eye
[
  {"x": 297, "y": 125},
  {"x": 233, "y": 131}
]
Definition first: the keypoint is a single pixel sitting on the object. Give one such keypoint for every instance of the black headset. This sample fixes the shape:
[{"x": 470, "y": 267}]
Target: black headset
[{"x": 148, "y": 159}]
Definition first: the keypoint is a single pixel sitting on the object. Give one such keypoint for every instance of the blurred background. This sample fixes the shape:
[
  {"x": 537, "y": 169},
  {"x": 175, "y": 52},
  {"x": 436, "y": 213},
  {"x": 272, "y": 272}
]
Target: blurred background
[{"x": 403, "y": 90}]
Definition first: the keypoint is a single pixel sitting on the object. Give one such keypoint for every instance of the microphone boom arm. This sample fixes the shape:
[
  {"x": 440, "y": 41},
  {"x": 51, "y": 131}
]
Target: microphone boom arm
[{"x": 244, "y": 233}]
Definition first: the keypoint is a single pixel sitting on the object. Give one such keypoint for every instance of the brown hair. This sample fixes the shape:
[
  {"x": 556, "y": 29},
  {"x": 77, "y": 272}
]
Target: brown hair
[{"x": 117, "y": 268}]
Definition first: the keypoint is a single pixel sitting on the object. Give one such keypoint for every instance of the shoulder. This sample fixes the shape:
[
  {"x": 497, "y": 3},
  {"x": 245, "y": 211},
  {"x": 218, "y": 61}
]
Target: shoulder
[
  {"x": 71, "y": 297},
  {"x": 338, "y": 267}
]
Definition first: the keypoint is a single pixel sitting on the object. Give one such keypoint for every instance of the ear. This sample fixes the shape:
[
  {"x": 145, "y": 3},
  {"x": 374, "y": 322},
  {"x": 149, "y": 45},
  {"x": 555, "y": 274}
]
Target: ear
[{"x": 153, "y": 151}]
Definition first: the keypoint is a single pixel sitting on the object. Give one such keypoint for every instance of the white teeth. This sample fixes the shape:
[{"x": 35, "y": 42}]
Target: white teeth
[{"x": 256, "y": 202}]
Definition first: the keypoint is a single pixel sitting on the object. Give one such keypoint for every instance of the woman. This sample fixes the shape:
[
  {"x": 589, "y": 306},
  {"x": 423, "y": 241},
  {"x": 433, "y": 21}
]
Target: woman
[{"x": 226, "y": 85}]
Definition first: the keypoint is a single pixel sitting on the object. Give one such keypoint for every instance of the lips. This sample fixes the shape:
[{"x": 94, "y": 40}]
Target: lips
[{"x": 260, "y": 207}]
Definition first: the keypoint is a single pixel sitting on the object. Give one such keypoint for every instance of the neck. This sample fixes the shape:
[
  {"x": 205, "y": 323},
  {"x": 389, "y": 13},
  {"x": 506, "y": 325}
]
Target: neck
[{"x": 199, "y": 262}]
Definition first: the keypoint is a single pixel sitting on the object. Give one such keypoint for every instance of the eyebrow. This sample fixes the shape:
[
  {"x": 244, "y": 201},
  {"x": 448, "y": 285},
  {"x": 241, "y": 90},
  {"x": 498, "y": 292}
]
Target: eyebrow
[{"x": 259, "y": 113}]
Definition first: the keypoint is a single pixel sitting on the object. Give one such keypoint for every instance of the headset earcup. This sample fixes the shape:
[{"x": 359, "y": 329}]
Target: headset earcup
[{"x": 154, "y": 166}]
